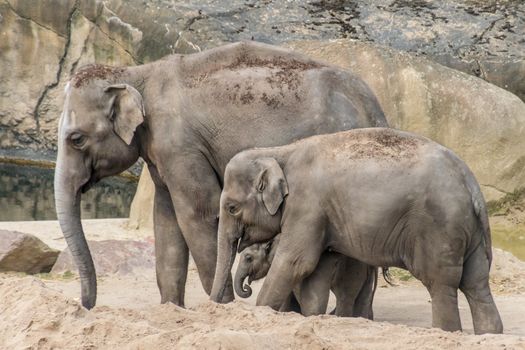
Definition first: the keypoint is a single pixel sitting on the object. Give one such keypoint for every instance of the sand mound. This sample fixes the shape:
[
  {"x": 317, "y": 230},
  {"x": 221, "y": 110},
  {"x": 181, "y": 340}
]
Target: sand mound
[{"x": 33, "y": 315}]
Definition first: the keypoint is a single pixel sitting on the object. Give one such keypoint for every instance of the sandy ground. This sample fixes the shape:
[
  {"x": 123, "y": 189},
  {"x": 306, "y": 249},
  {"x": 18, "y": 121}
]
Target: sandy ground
[{"x": 44, "y": 313}]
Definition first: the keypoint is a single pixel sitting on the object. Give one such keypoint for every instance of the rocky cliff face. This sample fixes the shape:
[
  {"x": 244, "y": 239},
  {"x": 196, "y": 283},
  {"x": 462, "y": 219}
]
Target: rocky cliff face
[
  {"x": 484, "y": 38},
  {"x": 43, "y": 42}
]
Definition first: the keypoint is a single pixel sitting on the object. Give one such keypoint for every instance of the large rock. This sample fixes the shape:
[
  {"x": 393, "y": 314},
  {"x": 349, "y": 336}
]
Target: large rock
[
  {"x": 22, "y": 252},
  {"x": 482, "y": 123},
  {"x": 111, "y": 256}
]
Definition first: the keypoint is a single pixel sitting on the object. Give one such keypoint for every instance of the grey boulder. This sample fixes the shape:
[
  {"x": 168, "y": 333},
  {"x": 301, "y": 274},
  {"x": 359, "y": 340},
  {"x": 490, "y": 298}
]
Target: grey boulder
[{"x": 21, "y": 252}]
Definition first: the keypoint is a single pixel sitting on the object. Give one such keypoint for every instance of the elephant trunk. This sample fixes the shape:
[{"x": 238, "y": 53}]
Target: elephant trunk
[
  {"x": 242, "y": 290},
  {"x": 226, "y": 255},
  {"x": 67, "y": 202}
]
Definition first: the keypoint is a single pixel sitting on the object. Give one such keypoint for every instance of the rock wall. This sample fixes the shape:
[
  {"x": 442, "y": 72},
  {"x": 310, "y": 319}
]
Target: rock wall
[
  {"x": 44, "y": 42},
  {"x": 41, "y": 44},
  {"x": 483, "y": 38}
]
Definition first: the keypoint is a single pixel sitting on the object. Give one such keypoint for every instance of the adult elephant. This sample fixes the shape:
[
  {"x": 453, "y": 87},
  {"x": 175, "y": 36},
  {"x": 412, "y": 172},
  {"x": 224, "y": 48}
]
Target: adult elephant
[{"x": 186, "y": 116}]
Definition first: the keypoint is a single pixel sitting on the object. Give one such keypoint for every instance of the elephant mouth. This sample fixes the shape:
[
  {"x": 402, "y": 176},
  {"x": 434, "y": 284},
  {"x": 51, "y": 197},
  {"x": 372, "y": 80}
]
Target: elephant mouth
[
  {"x": 242, "y": 242},
  {"x": 90, "y": 183}
]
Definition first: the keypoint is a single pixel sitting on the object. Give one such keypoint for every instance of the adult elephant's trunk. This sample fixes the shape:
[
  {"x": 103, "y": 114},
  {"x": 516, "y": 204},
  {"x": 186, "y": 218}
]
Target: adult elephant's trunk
[
  {"x": 242, "y": 290},
  {"x": 67, "y": 202},
  {"x": 227, "y": 243}
]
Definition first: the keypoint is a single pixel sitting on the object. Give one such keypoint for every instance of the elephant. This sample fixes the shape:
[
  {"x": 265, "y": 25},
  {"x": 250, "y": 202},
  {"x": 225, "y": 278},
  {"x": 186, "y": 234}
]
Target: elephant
[
  {"x": 382, "y": 196},
  {"x": 186, "y": 116},
  {"x": 353, "y": 282}
]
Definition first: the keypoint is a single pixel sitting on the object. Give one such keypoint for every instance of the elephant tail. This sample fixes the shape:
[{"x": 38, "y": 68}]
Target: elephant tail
[
  {"x": 387, "y": 276},
  {"x": 480, "y": 208}
]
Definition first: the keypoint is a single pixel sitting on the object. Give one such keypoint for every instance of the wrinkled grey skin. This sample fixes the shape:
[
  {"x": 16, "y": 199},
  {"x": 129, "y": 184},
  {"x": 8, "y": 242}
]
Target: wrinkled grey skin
[
  {"x": 186, "y": 116},
  {"x": 384, "y": 197},
  {"x": 352, "y": 281}
]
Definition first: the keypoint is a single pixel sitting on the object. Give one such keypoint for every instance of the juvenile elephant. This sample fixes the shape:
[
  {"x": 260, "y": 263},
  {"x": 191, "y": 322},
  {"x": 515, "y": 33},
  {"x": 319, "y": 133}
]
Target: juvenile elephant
[
  {"x": 186, "y": 116},
  {"x": 352, "y": 281},
  {"x": 384, "y": 197}
]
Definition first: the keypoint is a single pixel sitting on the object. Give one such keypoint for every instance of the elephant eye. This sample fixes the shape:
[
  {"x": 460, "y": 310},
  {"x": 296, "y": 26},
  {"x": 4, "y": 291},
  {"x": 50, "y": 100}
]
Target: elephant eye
[
  {"x": 77, "y": 139},
  {"x": 248, "y": 258},
  {"x": 232, "y": 209}
]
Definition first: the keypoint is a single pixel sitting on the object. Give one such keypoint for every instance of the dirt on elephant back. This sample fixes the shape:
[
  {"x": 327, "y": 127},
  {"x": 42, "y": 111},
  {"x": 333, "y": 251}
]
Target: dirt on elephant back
[
  {"x": 95, "y": 71},
  {"x": 278, "y": 62},
  {"x": 32, "y": 315},
  {"x": 285, "y": 69}
]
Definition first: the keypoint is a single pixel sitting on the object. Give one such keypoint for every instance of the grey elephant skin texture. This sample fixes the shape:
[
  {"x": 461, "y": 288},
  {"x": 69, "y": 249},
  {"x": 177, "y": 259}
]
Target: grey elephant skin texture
[
  {"x": 186, "y": 116},
  {"x": 382, "y": 196},
  {"x": 353, "y": 282}
]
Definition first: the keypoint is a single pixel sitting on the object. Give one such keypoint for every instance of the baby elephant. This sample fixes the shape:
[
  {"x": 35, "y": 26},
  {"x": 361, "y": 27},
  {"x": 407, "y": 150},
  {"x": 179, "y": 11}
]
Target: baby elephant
[
  {"x": 381, "y": 196},
  {"x": 352, "y": 281}
]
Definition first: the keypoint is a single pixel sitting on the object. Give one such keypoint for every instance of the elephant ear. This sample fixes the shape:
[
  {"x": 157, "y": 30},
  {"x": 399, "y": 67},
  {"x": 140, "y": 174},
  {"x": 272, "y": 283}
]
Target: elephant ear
[
  {"x": 128, "y": 110},
  {"x": 271, "y": 247},
  {"x": 271, "y": 182}
]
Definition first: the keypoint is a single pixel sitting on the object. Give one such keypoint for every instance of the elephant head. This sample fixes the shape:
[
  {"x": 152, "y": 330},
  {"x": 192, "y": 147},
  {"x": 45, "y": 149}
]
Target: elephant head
[
  {"x": 254, "y": 263},
  {"x": 250, "y": 210},
  {"x": 95, "y": 140}
]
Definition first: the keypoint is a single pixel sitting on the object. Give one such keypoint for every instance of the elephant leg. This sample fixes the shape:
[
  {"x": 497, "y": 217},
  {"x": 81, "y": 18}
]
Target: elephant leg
[
  {"x": 296, "y": 257},
  {"x": 195, "y": 191},
  {"x": 445, "y": 312},
  {"x": 291, "y": 304},
  {"x": 442, "y": 283},
  {"x": 314, "y": 291},
  {"x": 171, "y": 251},
  {"x": 364, "y": 300},
  {"x": 350, "y": 279},
  {"x": 437, "y": 261},
  {"x": 475, "y": 285}
]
